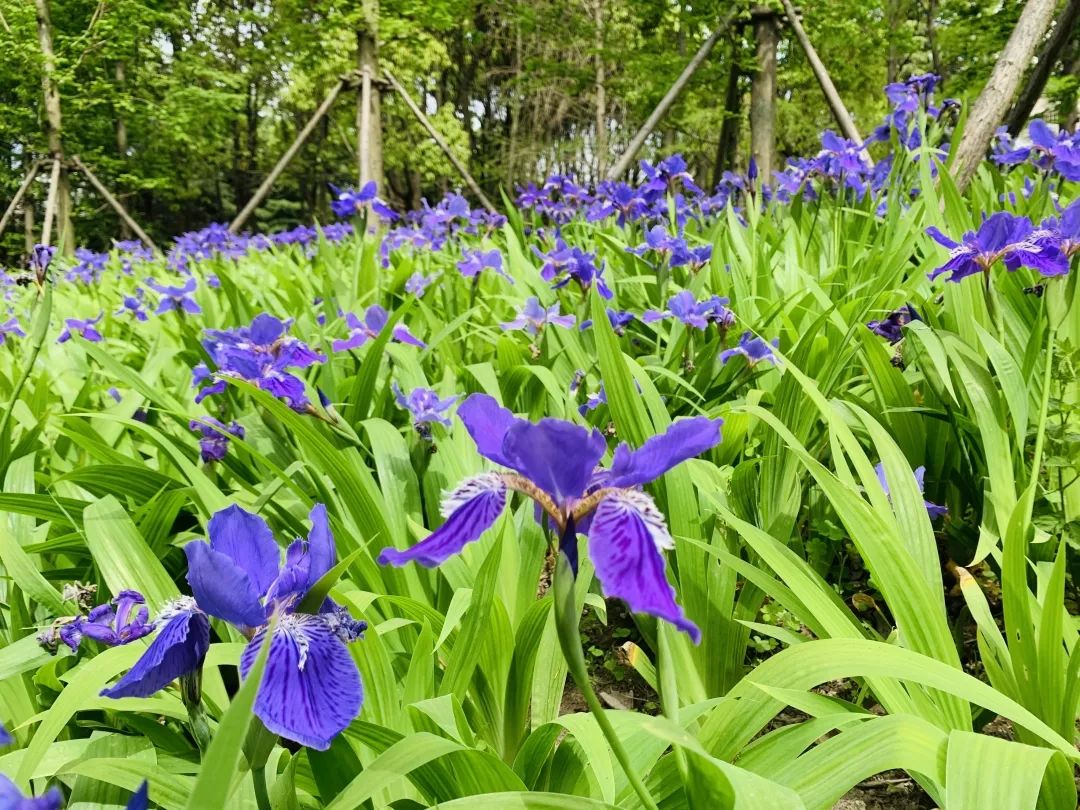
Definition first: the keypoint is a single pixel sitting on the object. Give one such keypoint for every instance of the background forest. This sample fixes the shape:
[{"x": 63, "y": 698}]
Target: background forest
[{"x": 182, "y": 107}]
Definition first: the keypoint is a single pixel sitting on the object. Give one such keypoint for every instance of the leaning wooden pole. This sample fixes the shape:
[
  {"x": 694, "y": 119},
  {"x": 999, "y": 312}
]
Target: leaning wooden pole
[
  {"x": 50, "y": 203},
  {"x": 125, "y": 217},
  {"x": 1064, "y": 29},
  {"x": 290, "y": 153},
  {"x": 836, "y": 104},
  {"x": 623, "y": 163},
  {"x": 443, "y": 145},
  {"x": 19, "y": 194},
  {"x": 989, "y": 108}
]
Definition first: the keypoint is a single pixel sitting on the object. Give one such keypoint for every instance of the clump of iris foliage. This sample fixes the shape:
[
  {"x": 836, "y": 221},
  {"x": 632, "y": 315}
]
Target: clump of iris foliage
[{"x": 310, "y": 519}]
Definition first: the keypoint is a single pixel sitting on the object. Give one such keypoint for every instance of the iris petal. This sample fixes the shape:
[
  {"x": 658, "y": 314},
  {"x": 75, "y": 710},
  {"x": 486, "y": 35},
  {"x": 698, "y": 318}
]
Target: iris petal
[
  {"x": 471, "y": 509},
  {"x": 247, "y": 539},
  {"x": 681, "y": 441},
  {"x": 178, "y": 649},
  {"x": 487, "y": 422},
  {"x": 625, "y": 538},
  {"x": 221, "y": 587},
  {"x": 311, "y": 689},
  {"x": 557, "y": 456}
]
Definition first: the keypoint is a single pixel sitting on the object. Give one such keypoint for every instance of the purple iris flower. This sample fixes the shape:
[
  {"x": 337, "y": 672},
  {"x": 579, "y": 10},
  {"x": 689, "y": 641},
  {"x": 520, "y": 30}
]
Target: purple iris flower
[
  {"x": 668, "y": 176},
  {"x": 533, "y": 317},
  {"x": 133, "y": 305},
  {"x": 368, "y": 327},
  {"x": 891, "y": 326},
  {"x": 425, "y": 407},
  {"x": 555, "y": 463},
  {"x": 1054, "y": 152},
  {"x": 261, "y": 353},
  {"x": 11, "y": 798},
  {"x": 418, "y": 283},
  {"x": 564, "y": 263},
  {"x": 10, "y": 327},
  {"x": 5, "y": 736},
  {"x": 1061, "y": 232},
  {"x": 620, "y": 199},
  {"x": 90, "y": 265},
  {"x": 41, "y": 257},
  {"x": 178, "y": 649},
  {"x": 932, "y": 509},
  {"x": 754, "y": 349},
  {"x": 476, "y": 261},
  {"x": 311, "y": 688},
  {"x": 659, "y": 241},
  {"x": 619, "y": 320},
  {"x": 174, "y": 298},
  {"x": 697, "y": 314},
  {"x": 348, "y": 202},
  {"x": 114, "y": 393},
  {"x": 1001, "y": 236},
  {"x": 214, "y": 437},
  {"x": 85, "y": 328},
  {"x": 1005, "y": 151},
  {"x": 593, "y": 401},
  {"x": 120, "y": 621}
]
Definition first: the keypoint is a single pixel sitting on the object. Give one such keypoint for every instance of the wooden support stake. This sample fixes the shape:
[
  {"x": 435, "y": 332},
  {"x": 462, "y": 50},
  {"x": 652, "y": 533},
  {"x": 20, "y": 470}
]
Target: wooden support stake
[
  {"x": 50, "y": 202},
  {"x": 23, "y": 188},
  {"x": 1048, "y": 58},
  {"x": 115, "y": 203},
  {"x": 836, "y": 104},
  {"x": 364, "y": 125},
  {"x": 434, "y": 133},
  {"x": 623, "y": 163},
  {"x": 989, "y": 108},
  {"x": 290, "y": 153}
]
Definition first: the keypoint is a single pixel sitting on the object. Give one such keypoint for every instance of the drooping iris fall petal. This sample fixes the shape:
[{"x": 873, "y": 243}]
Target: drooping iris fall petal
[
  {"x": 310, "y": 689},
  {"x": 625, "y": 541}
]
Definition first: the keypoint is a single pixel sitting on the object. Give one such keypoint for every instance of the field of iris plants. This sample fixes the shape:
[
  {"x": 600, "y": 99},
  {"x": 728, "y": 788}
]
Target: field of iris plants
[{"x": 590, "y": 497}]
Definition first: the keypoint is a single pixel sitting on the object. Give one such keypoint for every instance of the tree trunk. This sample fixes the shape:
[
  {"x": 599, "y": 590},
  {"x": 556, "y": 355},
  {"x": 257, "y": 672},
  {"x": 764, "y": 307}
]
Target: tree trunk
[
  {"x": 369, "y": 109},
  {"x": 729, "y": 129},
  {"x": 1048, "y": 58},
  {"x": 1069, "y": 118},
  {"x": 994, "y": 100},
  {"x": 121, "y": 136},
  {"x": 892, "y": 13},
  {"x": 763, "y": 93},
  {"x": 29, "y": 225},
  {"x": 514, "y": 104},
  {"x": 53, "y": 127},
  {"x": 601, "y": 91},
  {"x": 931, "y": 39}
]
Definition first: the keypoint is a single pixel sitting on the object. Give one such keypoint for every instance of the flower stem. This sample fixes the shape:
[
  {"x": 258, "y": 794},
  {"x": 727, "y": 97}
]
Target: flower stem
[
  {"x": 258, "y": 780},
  {"x": 37, "y": 336},
  {"x": 566, "y": 623}
]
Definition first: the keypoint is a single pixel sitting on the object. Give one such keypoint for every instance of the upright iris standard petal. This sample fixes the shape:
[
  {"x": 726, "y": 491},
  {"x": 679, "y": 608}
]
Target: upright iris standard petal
[
  {"x": 470, "y": 510},
  {"x": 320, "y": 544},
  {"x": 248, "y": 541},
  {"x": 222, "y": 588},
  {"x": 626, "y": 538},
  {"x": 178, "y": 649},
  {"x": 683, "y": 440},
  {"x": 556, "y": 455},
  {"x": 310, "y": 689},
  {"x": 488, "y": 422}
]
